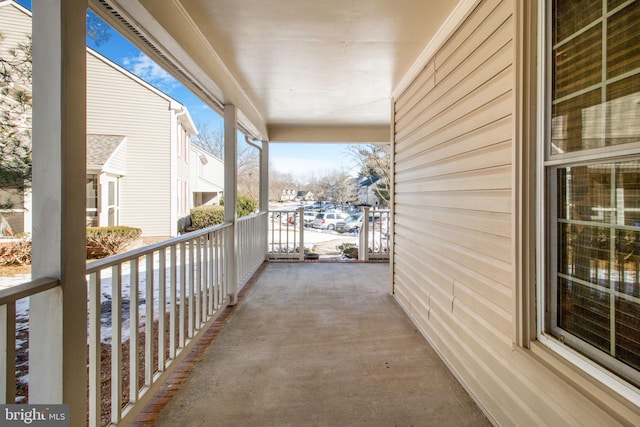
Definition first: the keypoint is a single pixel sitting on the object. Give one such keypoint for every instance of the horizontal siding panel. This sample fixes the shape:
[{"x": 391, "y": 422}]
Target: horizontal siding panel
[
  {"x": 477, "y": 28},
  {"x": 486, "y": 276},
  {"x": 16, "y": 27},
  {"x": 445, "y": 292},
  {"x": 488, "y": 201},
  {"x": 488, "y": 222},
  {"x": 430, "y": 135},
  {"x": 487, "y": 157},
  {"x": 496, "y": 131},
  {"x": 461, "y": 257},
  {"x": 497, "y": 57},
  {"x": 488, "y": 244},
  {"x": 422, "y": 84},
  {"x": 497, "y": 178}
]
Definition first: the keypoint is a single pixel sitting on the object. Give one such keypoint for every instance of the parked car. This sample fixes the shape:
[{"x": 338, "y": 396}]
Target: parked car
[
  {"x": 351, "y": 224},
  {"x": 308, "y": 217},
  {"x": 327, "y": 220}
]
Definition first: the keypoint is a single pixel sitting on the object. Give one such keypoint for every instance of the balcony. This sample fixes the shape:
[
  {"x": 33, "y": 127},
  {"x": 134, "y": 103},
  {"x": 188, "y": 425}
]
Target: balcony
[
  {"x": 317, "y": 344},
  {"x": 305, "y": 342}
]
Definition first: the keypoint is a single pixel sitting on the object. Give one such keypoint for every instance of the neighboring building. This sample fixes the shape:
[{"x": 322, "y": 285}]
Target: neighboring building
[
  {"x": 138, "y": 145},
  {"x": 207, "y": 177},
  {"x": 153, "y": 192},
  {"x": 106, "y": 165},
  {"x": 288, "y": 195},
  {"x": 367, "y": 194},
  {"x": 304, "y": 196}
]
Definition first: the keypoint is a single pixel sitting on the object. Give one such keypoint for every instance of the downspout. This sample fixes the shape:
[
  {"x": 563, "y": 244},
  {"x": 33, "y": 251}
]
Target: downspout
[{"x": 264, "y": 185}]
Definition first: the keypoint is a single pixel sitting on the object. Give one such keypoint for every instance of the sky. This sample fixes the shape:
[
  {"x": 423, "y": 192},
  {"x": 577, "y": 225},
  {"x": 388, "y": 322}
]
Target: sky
[{"x": 300, "y": 160}]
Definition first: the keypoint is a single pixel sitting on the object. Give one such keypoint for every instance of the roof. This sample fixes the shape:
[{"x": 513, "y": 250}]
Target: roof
[
  {"x": 367, "y": 181},
  {"x": 100, "y": 148}
]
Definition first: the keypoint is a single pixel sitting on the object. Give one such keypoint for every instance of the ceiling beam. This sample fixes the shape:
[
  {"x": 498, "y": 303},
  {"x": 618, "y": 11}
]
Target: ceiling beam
[{"x": 338, "y": 134}]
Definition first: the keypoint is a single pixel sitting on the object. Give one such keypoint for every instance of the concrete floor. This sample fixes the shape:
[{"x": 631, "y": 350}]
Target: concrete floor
[{"x": 320, "y": 344}]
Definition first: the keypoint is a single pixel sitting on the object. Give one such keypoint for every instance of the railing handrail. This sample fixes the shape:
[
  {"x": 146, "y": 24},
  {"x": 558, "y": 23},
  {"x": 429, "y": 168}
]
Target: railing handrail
[
  {"x": 27, "y": 289},
  {"x": 253, "y": 215},
  {"x": 100, "y": 264}
]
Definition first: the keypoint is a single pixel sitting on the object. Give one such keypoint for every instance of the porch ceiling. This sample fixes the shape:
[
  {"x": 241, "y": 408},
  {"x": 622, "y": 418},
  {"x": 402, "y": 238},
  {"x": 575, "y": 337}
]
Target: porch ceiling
[{"x": 298, "y": 70}]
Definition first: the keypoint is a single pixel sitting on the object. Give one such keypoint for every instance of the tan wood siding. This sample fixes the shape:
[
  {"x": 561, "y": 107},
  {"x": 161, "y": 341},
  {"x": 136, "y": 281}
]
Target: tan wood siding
[
  {"x": 119, "y": 105},
  {"x": 453, "y": 227}
]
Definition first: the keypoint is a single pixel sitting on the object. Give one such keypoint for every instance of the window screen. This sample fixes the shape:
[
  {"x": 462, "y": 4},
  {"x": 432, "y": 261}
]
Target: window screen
[{"x": 592, "y": 168}]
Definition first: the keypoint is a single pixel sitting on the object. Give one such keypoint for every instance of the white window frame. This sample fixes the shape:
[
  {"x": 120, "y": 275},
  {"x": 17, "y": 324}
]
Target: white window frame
[{"x": 546, "y": 255}]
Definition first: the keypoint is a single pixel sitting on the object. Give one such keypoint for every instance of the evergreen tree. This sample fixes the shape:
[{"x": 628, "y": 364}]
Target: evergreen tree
[{"x": 15, "y": 123}]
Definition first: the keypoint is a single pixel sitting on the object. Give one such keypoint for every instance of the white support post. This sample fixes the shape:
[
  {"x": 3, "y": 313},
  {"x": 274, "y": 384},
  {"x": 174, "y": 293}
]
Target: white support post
[
  {"x": 363, "y": 250},
  {"x": 301, "y": 225},
  {"x": 58, "y": 318},
  {"x": 264, "y": 190},
  {"x": 230, "y": 198},
  {"x": 264, "y": 177}
]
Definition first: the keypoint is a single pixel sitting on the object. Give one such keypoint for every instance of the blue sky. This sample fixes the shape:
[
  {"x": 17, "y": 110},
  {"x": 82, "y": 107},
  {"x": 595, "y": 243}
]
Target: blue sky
[{"x": 301, "y": 160}]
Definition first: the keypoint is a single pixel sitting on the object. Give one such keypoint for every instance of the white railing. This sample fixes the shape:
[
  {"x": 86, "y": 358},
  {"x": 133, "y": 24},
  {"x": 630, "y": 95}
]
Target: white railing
[
  {"x": 252, "y": 244},
  {"x": 14, "y": 322},
  {"x": 286, "y": 234},
  {"x": 150, "y": 303},
  {"x": 374, "y": 235}
]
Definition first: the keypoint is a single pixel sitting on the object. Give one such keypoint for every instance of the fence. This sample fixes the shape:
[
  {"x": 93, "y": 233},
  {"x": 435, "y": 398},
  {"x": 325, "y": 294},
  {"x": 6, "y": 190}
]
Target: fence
[{"x": 145, "y": 308}]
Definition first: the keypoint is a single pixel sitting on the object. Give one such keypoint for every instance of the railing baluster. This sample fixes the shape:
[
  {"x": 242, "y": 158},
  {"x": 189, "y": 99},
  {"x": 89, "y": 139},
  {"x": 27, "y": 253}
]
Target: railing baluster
[
  {"x": 198, "y": 282},
  {"x": 94, "y": 350},
  {"x": 183, "y": 299},
  {"x": 162, "y": 307},
  {"x": 211, "y": 283},
  {"x": 116, "y": 344},
  {"x": 149, "y": 318},
  {"x": 172, "y": 303},
  {"x": 133, "y": 330},
  {"x": 191, "y": 256},
  {"x": 218, "y": 273},
  {"x": 205, "y": 277},
  {"x": 8, "y": 353}
]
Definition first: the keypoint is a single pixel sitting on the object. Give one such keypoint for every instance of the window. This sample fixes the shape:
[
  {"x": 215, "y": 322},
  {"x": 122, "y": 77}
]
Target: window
[
  {"x": 92, "y": 201},
  {"x": 591, "y": 162}
]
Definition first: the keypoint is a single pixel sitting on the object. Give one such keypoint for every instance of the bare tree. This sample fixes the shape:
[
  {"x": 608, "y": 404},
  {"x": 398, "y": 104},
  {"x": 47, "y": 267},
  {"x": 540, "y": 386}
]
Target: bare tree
[
  {"x": 210, "y": 138},
  {"x": 375, "y": 164},
  {"x": 279, "y": 182}
]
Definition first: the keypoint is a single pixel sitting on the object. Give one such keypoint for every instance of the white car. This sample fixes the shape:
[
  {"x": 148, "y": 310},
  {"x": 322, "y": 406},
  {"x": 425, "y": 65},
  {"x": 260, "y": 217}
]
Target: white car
[{"x": 327, "y": 220}]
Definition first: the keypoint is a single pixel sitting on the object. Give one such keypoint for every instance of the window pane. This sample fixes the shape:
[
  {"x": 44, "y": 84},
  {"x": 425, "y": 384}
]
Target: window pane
[
  {"x": 623, "y": 118},
  {"x": 623, "y": 41},
  {"x": 578, "y": 63},
  {"x": 584, "y": 313},
  {"x": 598, "y": 250},
  {"x": 571, "y": 15},
  {"x": 578, "y": 124}
]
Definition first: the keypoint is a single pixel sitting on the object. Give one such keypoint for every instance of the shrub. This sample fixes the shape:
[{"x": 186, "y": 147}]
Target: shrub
[
  {"x": 107, "y": 241},
  {"x": 348, "y": 250},
  {"x": 206, "y": 216},
  {"x": 246, "y": 205},
  {"x": 16, "y": 252}
]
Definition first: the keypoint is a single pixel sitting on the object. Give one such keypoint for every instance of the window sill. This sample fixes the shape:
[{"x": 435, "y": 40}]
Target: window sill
[{"x": 605, "y": 388}]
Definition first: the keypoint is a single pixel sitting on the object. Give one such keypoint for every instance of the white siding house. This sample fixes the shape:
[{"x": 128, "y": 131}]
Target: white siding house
[
  {"x": 206, "y": 177},
  {"x": 143, "y": 182},
  {"x": 154, "y": 191}
]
